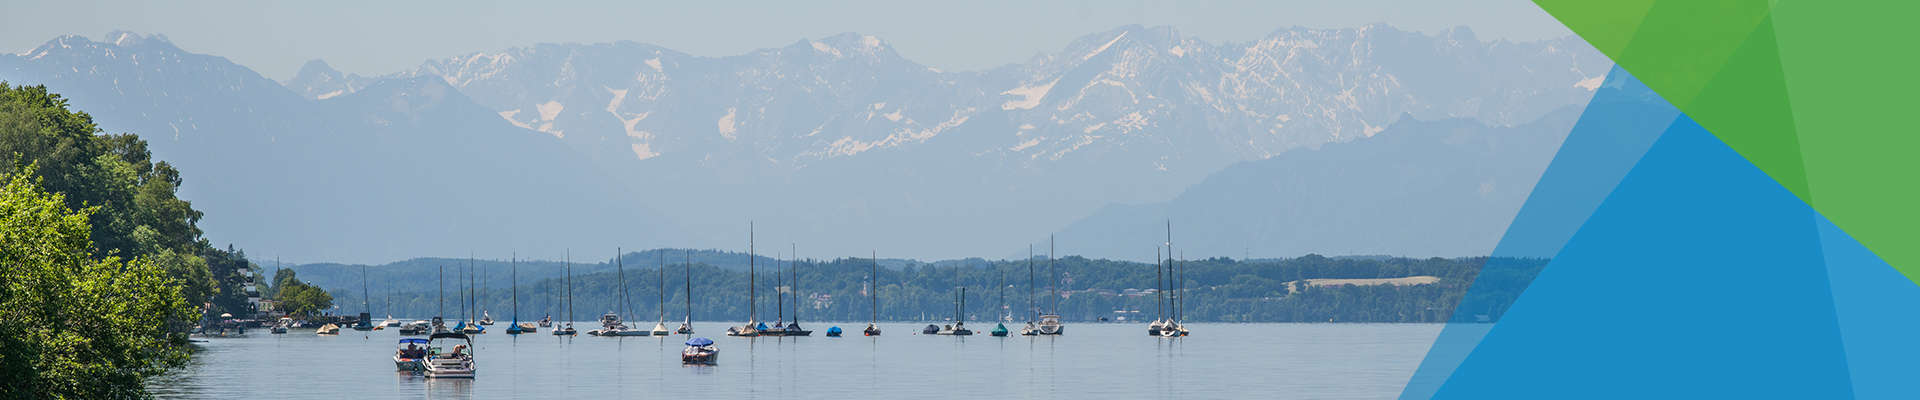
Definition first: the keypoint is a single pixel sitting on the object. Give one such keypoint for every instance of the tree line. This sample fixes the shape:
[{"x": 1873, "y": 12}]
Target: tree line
[
  {"x": 1217, "y": 290},
  {"x": 105, "y": 268}
]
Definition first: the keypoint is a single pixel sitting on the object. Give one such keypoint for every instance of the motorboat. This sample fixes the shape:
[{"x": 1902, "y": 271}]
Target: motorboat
[
  {"x": 280, "y": 327},
  {"x": 700, "y": 351},
  {"x": 1173, "y": 329},
  {"x": 411, "y": 354},
  {"x": 957, "y": 329},
  {"x": 328, "y": 329},
  {"x": 1050, "y": 325},
  {"x": 456, "y": 362},
  {"x": 610, "y": 325},
  {"x": 833, "y": 332},
  {"x": 416, "y": 328},
  {"x": 390, "y": 322}
]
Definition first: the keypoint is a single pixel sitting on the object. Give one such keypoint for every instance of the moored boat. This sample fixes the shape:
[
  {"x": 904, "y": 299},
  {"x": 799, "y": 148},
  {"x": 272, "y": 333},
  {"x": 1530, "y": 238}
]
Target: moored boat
[
  {"x": 328, "y": 329},
  {"x": 700, "y": 351},
  {"x": 456, "y": 362},
  {"x": 411, "y": 354},
  {"x": 833, "y": 331}
]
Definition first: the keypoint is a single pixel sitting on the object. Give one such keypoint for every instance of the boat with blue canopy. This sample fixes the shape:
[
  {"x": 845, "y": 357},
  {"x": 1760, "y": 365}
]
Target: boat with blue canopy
[
  {"x": 411, "y": 354},
  {"x": 700, "y": 351}
]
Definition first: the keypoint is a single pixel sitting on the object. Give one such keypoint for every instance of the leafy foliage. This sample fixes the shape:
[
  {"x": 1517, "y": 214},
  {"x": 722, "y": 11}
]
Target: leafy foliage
[
  {"x": 104, "y": 264},
  {"x": 74, "y": 326}
]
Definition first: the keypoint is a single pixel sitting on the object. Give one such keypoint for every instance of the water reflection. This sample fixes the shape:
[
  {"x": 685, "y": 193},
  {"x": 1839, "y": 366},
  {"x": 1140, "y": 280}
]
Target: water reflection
[{"x": 1302, "y": 360}]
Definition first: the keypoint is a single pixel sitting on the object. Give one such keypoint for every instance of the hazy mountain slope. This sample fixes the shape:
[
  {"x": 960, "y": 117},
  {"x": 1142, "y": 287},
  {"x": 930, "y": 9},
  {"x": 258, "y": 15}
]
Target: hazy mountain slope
[
  {"x": 841, "y": 138},
  {"x": 395, "y": 170},
  {"x": 1418, "y": 188}
]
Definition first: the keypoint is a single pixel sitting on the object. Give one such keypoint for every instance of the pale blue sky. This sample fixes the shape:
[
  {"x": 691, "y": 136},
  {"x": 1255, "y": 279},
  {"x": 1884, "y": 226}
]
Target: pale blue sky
[{"x": 378, "y": 37}]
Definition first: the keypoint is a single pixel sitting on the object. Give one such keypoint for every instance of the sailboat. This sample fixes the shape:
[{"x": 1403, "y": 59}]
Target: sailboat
[
  {"x": 1172, "y": 327},
  {"x": 473, "y": 303},
  {"x": 568, "y": 329},
  {"x": 959, "y": 327},
  {"x": 366, "y": 315},
  {"x": 440, "y": 325},
  {"x": 1032, "y": 327},
  {"x": 873, "y": 292},
  {"x": 660, "y": 328},
  {"x": 486, "y": 318},
  {"x": 390, "y": 322},
  {"x": 752, "y": 328},
  {"x": 1050, "y": 323},
  {"x": 518, "y": 327},
  {"x": 793, "y": 289},
  {"x": 610, "y": 323},
  {"x": 1000, "y": 328},
  {"x": 686, "y": 327}
]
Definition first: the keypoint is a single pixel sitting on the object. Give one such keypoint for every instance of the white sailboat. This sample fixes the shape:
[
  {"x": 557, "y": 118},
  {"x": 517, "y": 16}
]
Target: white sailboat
[
  {"x": 1050, "y": 323},
  {"x": 568, "y": 330},
  {"x": 610, "y": 324},
  {"x": 660, "y": 327},
  {"x": 752, "y": 328}
]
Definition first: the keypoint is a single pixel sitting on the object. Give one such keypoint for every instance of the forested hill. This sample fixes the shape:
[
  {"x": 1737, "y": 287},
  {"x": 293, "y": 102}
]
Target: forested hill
[{"x": 1221, "y": 289}]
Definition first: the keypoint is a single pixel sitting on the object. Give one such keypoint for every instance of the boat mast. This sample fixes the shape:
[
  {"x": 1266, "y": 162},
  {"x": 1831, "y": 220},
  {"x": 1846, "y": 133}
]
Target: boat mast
[
  {"x": 1159, "y": 288},
  {"x": 662, "y": 305},
  {"x": 753, "y": 297},
  {"x": 689, "y": 288},
  {"x": 795, "y": 287},
  {"x": 779, "y": 300},
  {"x": 1031, "y": 308},
  {"x": 1183, "y": 286},
  {"x": 873, "y": 283},
  {"x": 443, "y": 293},
  {"x": 1176, "y": 294},
  {"x": 366, "y": 302},
  {"x": 621, "y": 264},
  {"x": 516, "y": 287},
  {"x": 1055, "y": 309},
  {"x": 569, "y": 287}
]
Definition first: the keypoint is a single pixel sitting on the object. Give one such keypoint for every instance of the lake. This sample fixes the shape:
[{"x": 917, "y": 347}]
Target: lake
[{"x": 1322, "y": 361}]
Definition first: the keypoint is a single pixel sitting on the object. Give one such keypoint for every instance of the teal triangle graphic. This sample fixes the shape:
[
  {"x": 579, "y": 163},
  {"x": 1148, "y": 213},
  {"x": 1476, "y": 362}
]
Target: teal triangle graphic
[{"x": 1697, "y": 277}]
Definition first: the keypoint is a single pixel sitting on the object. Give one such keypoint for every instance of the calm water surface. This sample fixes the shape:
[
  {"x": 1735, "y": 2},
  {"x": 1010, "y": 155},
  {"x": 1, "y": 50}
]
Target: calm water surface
[{"x": 1319, "y": 361}]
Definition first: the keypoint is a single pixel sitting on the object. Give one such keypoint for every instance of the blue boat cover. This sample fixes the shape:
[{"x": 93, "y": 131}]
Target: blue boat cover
[
  {"x": 833, "y": 330},
  {"x": 700, "y": 341},
  {"x": 762, "y": 326},
  {"x": 413, "y": 340}
]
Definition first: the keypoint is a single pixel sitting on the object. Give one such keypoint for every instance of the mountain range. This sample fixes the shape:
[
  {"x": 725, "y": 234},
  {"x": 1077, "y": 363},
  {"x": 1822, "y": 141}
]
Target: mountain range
[{"x": 838, "y": 143}]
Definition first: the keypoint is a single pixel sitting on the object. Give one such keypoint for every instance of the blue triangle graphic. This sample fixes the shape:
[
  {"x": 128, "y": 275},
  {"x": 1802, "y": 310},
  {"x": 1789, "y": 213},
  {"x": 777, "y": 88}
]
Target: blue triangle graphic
[
  {"x": 1621, "y": 122},
  {"x": 1698, "y": 277},
  {"x": 1875, "y": 305}
]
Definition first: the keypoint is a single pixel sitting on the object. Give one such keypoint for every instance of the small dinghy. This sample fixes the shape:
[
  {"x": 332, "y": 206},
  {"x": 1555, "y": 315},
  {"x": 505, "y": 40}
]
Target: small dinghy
[
  {"x": 833, "y": 332},
  {"x": 700, "y": 351}
]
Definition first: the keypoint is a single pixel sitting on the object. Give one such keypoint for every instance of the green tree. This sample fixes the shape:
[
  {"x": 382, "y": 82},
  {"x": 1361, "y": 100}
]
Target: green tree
[{"x": 72, "y": 325}]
